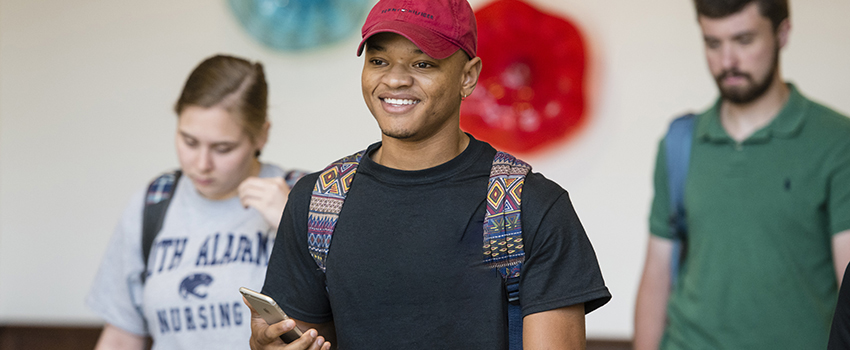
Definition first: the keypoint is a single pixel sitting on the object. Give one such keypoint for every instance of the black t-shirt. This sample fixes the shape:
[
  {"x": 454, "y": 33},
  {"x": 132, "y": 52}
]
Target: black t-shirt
[{"x": 406, "y": 267}]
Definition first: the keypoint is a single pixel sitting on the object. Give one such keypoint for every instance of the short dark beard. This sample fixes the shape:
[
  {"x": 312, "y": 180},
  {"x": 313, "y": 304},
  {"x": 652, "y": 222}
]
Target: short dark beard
[
  {"x": 757, "y": 89},
  {"x": 398, "y": 135}
]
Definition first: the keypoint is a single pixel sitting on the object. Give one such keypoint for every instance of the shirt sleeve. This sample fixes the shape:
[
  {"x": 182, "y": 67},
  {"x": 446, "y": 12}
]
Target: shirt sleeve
[
  {"x": 116, "y": 294},
  {"x": 839, "y": 189},
  {"x": 560, "y": 268},
  {"x": 659, "y": 217},
  {"x": 293, "y": 279}
]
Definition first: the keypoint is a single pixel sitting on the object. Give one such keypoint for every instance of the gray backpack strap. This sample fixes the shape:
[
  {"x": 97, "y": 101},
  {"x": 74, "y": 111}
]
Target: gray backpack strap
[
  {"x": 677, "y": 144},
  {"x": 157, "y": 200}
]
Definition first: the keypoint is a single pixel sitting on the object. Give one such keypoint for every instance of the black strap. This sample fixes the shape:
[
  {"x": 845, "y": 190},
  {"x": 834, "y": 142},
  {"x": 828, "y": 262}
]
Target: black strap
[{"x": 157, "y": 200}]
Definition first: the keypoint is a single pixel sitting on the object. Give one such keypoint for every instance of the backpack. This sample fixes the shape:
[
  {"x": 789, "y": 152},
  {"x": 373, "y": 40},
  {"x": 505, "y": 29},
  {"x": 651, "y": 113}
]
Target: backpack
[
  {"x": 157, "y": 200},
  {"x": 503, "y": 246},
  {"x": 677, "y": 149}
]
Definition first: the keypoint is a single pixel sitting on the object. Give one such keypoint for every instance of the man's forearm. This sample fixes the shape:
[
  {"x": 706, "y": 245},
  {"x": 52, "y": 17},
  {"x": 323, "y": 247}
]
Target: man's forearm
[{"x": 653, "y": 293}]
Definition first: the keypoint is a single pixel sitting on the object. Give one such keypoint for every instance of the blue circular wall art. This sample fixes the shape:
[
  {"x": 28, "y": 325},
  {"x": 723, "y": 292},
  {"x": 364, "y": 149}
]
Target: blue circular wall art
[{"x": 293, "y": 25}]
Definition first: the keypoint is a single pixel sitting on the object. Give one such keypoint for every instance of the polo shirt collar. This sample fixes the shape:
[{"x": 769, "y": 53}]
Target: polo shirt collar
[{"x": 787, "y": 123}]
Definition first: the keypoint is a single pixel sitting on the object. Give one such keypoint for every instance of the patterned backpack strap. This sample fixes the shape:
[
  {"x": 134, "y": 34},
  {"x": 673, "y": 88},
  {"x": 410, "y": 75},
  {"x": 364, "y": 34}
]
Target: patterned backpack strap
[
  {"x": 157, "y": 199},
  {"x": 503, "y": 246},
  {"x": 326, "y": 203}
]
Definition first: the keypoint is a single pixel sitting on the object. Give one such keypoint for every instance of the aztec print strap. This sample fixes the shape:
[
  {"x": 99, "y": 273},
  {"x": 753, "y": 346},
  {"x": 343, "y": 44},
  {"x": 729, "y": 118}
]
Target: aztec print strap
[
  {"x": 503, "y": 246},
  {"x": 326, "y": 203}
]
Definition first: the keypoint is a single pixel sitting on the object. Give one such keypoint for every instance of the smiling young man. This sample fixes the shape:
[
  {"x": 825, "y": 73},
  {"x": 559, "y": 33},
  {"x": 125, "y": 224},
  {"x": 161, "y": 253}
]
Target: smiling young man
[
  {"x": 405, "y": 268},
  {"x": 766, "y": 203}
]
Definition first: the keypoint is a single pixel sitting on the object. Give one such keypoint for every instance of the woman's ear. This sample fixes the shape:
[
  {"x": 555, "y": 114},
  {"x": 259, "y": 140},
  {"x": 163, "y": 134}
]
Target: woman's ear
[{"x": 262, "y": 138}]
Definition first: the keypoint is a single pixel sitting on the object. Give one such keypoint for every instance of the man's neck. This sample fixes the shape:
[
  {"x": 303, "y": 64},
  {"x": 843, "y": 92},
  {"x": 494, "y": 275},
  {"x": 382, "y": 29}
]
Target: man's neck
[
  {"x": 423, "y": 154},
  {"x": 742, "y": 120}
]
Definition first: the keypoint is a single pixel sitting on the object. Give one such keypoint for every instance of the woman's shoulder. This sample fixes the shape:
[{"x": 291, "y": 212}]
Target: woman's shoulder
[{"x": 271, "y": 170}]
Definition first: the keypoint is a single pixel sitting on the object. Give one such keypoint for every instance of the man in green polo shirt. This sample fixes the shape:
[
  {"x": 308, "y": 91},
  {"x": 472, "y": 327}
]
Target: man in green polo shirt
[{"x": 767, "y": 203}]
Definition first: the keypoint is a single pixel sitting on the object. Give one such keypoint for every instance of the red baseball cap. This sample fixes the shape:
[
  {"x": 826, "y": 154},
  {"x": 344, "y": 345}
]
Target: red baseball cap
[{"x": 438, "y": 27}]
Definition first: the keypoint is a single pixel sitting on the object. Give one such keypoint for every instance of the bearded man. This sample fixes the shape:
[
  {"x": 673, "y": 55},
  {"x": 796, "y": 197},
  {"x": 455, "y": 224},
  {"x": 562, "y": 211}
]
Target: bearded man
[{"x": 766, "y": 203}]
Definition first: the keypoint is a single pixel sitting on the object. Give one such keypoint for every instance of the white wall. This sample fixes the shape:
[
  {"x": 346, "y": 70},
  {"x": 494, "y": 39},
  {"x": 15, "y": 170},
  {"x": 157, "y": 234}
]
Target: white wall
[{"x": 86, "y": 89}]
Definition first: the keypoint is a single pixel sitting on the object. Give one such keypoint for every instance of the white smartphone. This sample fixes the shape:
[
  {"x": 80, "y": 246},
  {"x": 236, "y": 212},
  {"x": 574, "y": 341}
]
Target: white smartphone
[{"x": 271, "y": 313}]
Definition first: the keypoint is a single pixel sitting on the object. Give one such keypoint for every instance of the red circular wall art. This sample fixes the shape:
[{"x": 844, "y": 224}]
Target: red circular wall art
[{"x": 530, "y": 92}]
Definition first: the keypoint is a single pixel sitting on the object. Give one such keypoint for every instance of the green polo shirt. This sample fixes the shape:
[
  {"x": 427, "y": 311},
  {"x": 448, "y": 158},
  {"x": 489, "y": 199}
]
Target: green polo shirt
[{"x": 760, "y": 214}]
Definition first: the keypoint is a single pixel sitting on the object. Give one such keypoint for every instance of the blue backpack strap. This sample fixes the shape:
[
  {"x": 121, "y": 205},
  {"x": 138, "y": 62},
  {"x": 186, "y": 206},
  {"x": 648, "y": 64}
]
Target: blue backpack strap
[
  {"x": 157, "y": 199},
  {"x": 326, "y": 203},
  {"x": 503, "y": 245},
  {"x": 677, "y": 144}
]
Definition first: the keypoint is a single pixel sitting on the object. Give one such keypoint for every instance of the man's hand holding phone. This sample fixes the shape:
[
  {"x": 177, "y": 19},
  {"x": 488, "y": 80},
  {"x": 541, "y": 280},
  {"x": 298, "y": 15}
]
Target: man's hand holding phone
[
  {"x": 267, "y": 337},
  {"x": 270, "y": 337}
]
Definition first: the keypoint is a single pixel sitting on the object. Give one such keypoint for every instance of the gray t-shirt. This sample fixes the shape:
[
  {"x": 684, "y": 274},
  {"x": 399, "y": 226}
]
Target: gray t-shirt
[{"x": 205, "y": 251}]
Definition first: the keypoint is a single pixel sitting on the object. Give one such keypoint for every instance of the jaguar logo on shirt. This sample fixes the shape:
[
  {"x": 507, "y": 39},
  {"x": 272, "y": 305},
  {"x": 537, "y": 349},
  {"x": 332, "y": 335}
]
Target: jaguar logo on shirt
[{"x": 195, "y": 285}]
